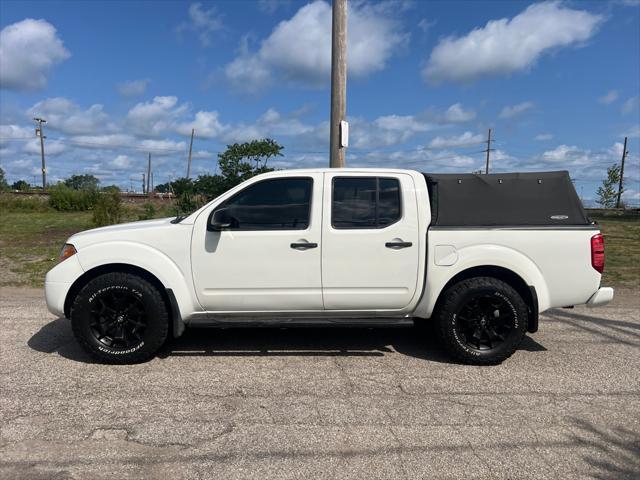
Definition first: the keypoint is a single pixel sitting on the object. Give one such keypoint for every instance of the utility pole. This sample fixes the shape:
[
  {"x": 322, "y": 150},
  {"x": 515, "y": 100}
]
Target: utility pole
[
  {"x": 40, "y": 133},
  {"x": 149, "y": 175},
  {"x": 486, "y": 170},
  {"x": 190, "y": 150},
  {"x": 144, "y": 185},
  {"x": 338, "y": 128},
  {"x": 624, "y": 155}
]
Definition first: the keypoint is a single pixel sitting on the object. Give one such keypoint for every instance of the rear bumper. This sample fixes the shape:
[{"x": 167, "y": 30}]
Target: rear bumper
[{"x": 603, "y": 296}]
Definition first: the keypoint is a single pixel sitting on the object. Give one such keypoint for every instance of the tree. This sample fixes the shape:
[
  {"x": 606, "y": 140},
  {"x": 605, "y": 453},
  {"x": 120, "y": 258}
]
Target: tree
[
  {"x": 3, "y": 181},
  {"x": 608, "y": 192},
  {"x": 182, "y": 185},
  {"x": 211, "y": 186},
  {"x": 82, "y": 182},
  {"x": 164, "y": 188},
  {"x": 111, "y": 188},
  {"x": 241, "y": 161},
  {"x": 21, "y": 185}
]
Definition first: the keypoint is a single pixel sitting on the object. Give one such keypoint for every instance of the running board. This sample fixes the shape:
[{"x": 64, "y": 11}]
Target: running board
[{"x": 235, "y": 322}]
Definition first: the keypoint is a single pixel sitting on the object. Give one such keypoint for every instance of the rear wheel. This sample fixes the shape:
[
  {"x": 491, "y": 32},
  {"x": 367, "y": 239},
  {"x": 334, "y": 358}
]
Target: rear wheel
[
  {"x": 481, "y": 321},
  {"x": 120, "y": 318}
]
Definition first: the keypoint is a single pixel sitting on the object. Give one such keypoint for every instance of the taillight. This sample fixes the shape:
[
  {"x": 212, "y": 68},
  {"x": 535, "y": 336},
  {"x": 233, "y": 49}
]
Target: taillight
[{"x": 597, "y": 252}]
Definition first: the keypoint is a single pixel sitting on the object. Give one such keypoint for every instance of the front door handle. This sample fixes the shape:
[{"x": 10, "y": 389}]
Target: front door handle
[
  {"x": 304, "y": 245},
  {"x": 398, "y": 245}
]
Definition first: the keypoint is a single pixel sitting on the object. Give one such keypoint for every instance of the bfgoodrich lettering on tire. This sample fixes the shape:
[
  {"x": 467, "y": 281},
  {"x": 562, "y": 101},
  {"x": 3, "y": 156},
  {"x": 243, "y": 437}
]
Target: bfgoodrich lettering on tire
[
  {"x": 481, "y": 321},
  {"x": 120, "y": 318}
]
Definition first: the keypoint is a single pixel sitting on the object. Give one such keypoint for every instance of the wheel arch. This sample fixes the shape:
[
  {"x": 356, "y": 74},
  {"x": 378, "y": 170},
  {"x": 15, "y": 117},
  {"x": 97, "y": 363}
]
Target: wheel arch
[
  {"x": 511, "y": 278},
  {"x": 167, "y": 293}
]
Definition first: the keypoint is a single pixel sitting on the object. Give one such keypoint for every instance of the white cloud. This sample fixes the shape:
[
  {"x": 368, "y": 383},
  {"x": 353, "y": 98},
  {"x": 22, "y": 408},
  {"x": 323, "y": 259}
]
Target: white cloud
[
  {"x": 28, "y": 51},
  {"x": 544, "y": 136},
  {"x": 133, "y": 88},
  {"x": 456, "y": 114},
  {"x": 53, "y": 147},
  {"x": 633, "y": 132},
  {"x": 66, "y": 116},
  {"x": 206, "y": 125},
  {"x": 298, "y": 50},
  {"x": 106, "y": 141},
  {"x": 155, "y": 117},
  {"x": 13, "y": 132},
  {"x": 631, "y": 105},
  {"x": 610, "y": 97},
  {"x": 386, "y": 130},
  {"x": 510, "y": 45},
  {"x": 513, "y": 110},
  {"x": 425, "y": 24},
  {"x": 121, "y": 162},
  {"x": 467, "y": 138},
  {"x": 270, "y": 6},
  {"x": 163, "y": 147},
  {"x": 204, "y": 23}
]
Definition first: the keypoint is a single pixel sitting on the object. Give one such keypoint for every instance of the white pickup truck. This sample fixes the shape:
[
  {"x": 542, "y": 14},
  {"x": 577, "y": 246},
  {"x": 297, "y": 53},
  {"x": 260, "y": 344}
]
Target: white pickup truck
[{"x": 479, "y": 255}]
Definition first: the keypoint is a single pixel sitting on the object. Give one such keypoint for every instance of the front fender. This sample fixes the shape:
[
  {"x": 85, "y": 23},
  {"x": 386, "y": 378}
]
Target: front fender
[
  {"x": 147, "y": 258},
  {"x": 481, "y": 256}
]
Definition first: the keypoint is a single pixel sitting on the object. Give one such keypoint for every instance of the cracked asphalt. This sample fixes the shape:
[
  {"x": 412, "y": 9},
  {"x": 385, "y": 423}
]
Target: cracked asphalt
[{"x": 322, "y": 403}]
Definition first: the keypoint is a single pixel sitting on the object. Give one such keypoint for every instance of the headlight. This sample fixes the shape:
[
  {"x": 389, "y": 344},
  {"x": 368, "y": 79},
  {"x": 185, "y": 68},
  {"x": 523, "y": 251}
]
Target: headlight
[{"x": 67, "y": 251}]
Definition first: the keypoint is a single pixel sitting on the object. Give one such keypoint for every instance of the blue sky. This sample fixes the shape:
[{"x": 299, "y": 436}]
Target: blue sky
[{"x": 558, "y": 82}]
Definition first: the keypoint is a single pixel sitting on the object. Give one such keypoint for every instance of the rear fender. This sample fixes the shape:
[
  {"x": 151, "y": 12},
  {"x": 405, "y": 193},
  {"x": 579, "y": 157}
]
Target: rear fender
[{"x": 481, "y": 256}]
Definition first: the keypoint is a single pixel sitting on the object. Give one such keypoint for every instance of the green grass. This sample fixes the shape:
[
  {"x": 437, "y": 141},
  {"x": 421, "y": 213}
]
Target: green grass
[
  {"x": 622, "y": 247},
  {"x": 30, "y": 242}
]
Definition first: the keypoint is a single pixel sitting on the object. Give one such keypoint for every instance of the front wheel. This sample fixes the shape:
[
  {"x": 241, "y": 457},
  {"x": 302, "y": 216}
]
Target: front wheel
[
  {"x": 481, "y": 321},
  {"x": 120, "y": 318}
]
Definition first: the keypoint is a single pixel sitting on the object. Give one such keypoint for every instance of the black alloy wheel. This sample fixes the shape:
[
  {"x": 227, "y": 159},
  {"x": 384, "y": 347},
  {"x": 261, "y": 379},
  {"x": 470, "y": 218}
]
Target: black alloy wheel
[
  {"x": 485, "y": 321},
  {"x": 119, "y": 319},
  {"x": 481, "y": 320}
]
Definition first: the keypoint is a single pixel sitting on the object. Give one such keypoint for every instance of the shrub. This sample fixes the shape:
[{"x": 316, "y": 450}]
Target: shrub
[
  {"x": 65, "y": 199},
  {"x": 187, "y": 203},
  {"x": 11, "y": 203},
  {"x": 148, "y": 212},
  {"x": 107, "y": 210}
]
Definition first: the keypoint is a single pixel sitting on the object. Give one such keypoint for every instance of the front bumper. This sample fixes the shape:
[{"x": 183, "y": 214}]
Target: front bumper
[
  {"x": 603, "y": 296},
  {"x": 58, "y": 282}
]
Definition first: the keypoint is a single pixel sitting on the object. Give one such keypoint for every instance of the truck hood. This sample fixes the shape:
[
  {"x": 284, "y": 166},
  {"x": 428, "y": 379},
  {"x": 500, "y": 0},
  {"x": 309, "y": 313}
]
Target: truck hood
[{"x": 122, "y": 231}]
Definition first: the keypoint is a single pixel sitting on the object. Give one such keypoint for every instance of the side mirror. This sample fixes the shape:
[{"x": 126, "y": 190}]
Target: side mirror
[{"x": 219, "y": 220}]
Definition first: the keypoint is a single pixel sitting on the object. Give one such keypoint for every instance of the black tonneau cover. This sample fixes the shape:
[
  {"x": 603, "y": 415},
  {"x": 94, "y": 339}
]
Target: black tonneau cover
[{"x": 504, "y": 199}]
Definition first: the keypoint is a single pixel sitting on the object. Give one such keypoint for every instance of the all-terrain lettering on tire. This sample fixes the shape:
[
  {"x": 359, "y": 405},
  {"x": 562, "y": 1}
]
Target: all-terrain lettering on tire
[
  {"x": 481, "y": 321},
  {"x": 120, "y": 318}
]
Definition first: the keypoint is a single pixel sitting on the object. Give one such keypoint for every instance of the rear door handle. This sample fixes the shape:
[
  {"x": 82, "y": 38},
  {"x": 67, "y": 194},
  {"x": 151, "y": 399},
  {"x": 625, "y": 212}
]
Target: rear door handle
[
  {"x": 304, "y": 245},
  {"x": 398, "y": 245}
]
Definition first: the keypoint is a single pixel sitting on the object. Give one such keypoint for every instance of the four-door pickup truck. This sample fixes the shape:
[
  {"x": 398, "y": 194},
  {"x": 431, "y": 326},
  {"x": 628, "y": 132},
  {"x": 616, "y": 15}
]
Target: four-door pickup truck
[{"x": 479, "y": 255}]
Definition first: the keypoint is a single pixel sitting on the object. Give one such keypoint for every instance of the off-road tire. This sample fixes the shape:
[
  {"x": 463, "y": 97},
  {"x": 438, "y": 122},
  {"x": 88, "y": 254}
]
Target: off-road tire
[
  {"x": 457, "y": 298},
  {"x": 116, "y": 286}
]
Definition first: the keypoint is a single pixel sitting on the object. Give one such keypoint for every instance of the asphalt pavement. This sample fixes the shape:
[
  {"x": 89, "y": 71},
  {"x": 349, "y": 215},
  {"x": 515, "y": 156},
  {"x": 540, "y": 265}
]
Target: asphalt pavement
[{"x": 322, "y": 403}]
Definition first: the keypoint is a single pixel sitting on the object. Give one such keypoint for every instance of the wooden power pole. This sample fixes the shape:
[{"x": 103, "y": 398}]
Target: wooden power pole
[
  {"x": 338, "y": 129},
  {"x": 40, "y": 133},
  {"x": 486, "y": 169},
  {"x": 190, "y": 150},
  {"x": 149, "y": 175},
  {"x": 624, "y": 155}
]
